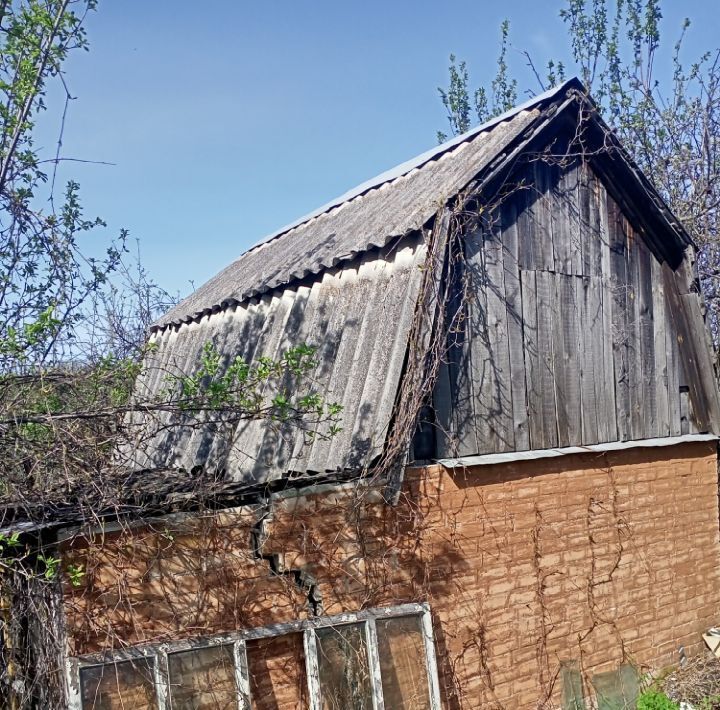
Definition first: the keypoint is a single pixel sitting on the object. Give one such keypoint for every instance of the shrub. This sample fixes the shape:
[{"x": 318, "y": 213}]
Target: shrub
[{"x": 655, "y": 700}]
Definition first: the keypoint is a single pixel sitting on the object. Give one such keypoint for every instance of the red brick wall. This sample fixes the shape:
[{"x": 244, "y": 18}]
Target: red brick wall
[{"x": 598, "y": 559}]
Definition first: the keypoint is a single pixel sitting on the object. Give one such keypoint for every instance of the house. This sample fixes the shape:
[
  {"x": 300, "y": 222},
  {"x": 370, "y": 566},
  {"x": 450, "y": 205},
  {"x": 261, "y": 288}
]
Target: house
[{"x": 520, "y": 509}]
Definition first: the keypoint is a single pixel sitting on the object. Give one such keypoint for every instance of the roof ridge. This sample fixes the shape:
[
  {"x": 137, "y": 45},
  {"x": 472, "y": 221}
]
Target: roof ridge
[
  {"x": 416, "y": 162},
  {"x": 312, "y": 246}
]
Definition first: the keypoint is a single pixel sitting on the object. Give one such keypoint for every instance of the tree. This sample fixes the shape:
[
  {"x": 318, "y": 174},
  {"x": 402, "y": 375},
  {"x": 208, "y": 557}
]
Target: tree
[
  {"x": 51, "y": 292},
  {"x": 668, "y": 119},
  {"x": 72, "y": 327},
  {"x": 486, "y": 104},
  {"x": 72, "y": 342},
  {"x": 46, "y": 279}
]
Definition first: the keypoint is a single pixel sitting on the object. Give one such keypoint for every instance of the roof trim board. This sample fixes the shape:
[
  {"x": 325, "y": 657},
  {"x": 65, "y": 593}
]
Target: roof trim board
[{"x": 533, "y": 455}]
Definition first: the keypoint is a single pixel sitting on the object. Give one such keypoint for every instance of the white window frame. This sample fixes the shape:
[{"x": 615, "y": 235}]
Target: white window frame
[{"x": 159, "y": 654}]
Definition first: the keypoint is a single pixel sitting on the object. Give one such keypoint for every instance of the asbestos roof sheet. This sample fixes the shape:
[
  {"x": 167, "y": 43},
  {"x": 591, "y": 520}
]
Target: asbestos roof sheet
[
  {"x": 345, "y": 279},
  {"x": 391, "y": 205},
  {"x": 358, "y": 316}
]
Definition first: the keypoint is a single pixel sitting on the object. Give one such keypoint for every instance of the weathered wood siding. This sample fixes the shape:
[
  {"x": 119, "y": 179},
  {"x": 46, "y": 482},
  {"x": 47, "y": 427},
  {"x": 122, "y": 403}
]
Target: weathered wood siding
[{"x": 573, "y": 331}]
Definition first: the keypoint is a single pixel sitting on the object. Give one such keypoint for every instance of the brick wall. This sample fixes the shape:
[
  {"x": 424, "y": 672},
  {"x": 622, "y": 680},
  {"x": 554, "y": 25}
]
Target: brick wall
[{"x": 594, "y": 559}]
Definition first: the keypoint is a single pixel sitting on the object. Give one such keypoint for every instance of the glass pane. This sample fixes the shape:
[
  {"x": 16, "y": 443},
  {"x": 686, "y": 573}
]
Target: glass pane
[
  {"x": 276, "y": 667},
  {"x": 127, "y": 685},
  {"x": 617, "y": 690},
  {"x": 403, "y": 664},
  {"x": 203, "y": 678},
  {"x": 572, "y": 687},
  {"x": 343, "y": 668}
]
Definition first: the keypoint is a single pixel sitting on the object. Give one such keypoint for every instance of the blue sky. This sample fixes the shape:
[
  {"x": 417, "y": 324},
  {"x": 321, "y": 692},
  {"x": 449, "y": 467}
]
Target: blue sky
[{"x": 226, "y": 120}]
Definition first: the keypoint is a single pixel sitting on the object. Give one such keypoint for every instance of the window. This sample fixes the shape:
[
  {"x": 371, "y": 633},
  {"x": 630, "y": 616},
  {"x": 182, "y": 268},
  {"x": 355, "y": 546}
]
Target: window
[{"x": 372, "y": 660}]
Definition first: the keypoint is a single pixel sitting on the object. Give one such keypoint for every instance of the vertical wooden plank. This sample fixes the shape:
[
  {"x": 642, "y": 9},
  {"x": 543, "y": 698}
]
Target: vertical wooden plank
[
  {"x": 374, "y": 663},
  {"x": 427, "y": 629},
  {"x": 684, "y": 410},
  {"x": 572, "y": 349},
  {"x": 607, "y": 407},
  {"x": 449, "y": 378},
  {"x": 496, "y": 393},
  {"x": 637, "y": 418},
  {"x": 607, "y": 404},
  {"x": 694, "y": 350},
  {"x": 689, "y": 421},
  {"x": 162, "y": 679},
  {"x": 566, "y": 233},
  {"x": 311, "y": 669},
  {"x": 660, "y": 348},
  {"x": 703, "y": 397},
  {"x": 589, "y": 223},
  {"x": 533, "y": 366},
  {"x": 444, "y": 422},
  {"x": 544, "y": 174},
  {"x": 620, "y": 330},
  {"x": 689, "y": 287},
  {"x": 678, "y": 337},
  {"x": 514, "y": 320},
  {"x": 577, "y": 236},
  {"x": 523, "y": 199},
  {"x": 465, "y": 302},
  {"x": 601, "y": 199},
  {"x": 242, "y": 675},
  {"x": 567, "y": 390},
  {"x": 547, "y": 319},
  {"x": 645, "y": 315},
  {"x": 72, "y": 681},
  {"x": 535, "y": 218},
  {"x": 560, "y": 216},
  {"x": 674, "y": 366},
  {"x": 589, "y": 348},
  {"x": 483, "y": 363}
]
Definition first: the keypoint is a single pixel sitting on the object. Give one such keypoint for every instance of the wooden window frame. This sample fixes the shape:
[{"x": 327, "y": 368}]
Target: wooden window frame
[{"x": 369, "y": 617}]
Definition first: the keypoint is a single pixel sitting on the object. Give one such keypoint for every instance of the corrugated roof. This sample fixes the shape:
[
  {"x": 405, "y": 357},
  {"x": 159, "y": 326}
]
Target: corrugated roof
[
  {"x": 345, "y": 279},
  {"x": 391, "y": 205},
  {"x": 358, "y": 317}
]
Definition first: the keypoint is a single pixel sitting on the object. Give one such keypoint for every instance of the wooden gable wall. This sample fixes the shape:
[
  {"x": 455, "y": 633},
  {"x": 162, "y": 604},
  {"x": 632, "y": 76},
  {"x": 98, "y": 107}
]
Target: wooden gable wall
[{"x": 573, "y": 331}]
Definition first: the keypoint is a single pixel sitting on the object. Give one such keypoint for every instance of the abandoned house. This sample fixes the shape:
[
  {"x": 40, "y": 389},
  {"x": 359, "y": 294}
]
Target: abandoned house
[{"x": 519, "y": 508}]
